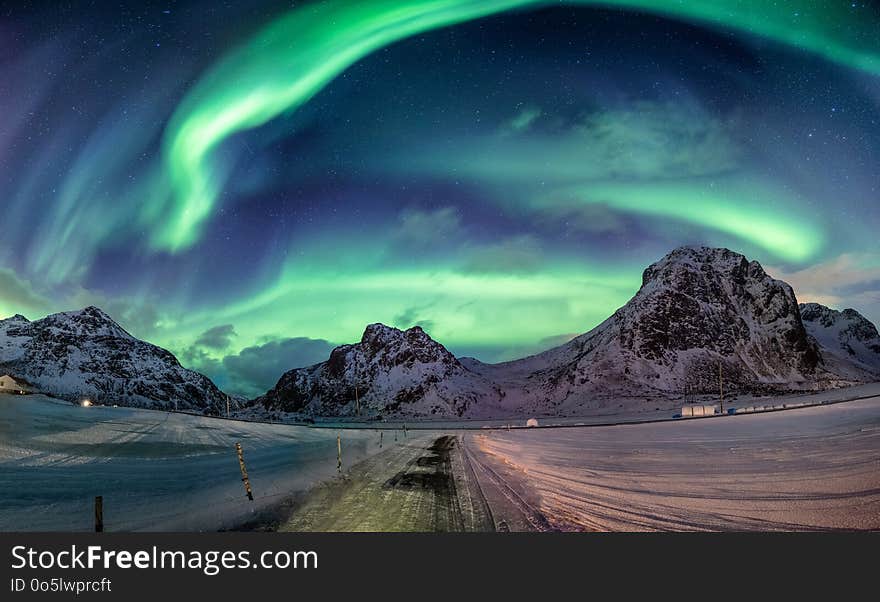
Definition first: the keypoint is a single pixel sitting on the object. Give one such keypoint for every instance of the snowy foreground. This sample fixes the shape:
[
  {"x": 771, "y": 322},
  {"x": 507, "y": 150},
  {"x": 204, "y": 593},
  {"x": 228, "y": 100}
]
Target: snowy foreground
[
  {"x": 156, "y": 470},
  {"x": 807, "y": 468}
]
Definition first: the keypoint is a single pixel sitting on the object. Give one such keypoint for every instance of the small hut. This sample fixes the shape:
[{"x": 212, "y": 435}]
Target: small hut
[
  {"x": 9, "y": 384},
  {"x": 532, "y": 422}
]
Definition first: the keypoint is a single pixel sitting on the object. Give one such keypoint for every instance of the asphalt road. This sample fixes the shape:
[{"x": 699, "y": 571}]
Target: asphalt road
[{"x": 428, "y": 482}]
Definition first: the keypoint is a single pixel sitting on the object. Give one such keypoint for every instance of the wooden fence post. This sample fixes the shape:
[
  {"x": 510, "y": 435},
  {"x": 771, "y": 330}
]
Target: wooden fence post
[
  {"x": 99, "y": 514},
  {"x": 244, "y": 475}
]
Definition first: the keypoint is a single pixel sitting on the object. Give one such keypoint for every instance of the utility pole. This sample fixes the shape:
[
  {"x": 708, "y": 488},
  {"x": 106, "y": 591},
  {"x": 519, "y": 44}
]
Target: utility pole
[
  {"x": 720, "y": 387},
  {"x": 357, "y": 401},
  {"x": 227, "y": 405}
]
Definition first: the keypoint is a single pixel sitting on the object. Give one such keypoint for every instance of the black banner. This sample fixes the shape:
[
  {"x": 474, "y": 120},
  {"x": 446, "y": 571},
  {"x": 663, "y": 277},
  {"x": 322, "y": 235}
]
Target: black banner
[{"x": 248, "y": 566}]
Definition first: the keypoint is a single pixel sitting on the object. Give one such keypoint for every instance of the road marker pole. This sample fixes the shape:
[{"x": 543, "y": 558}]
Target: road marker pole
[
  {"x": 338, "y": 453},
  {"x": 99, "y": 514},
  {"x": 244, "y": 474},
  {"x": 381, "y": 433}
]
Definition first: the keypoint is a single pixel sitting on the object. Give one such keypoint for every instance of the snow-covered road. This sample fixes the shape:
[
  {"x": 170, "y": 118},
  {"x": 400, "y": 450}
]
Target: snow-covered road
[
  {"x": 155, "y": 470},
  {"x": 809, "y": 468}
]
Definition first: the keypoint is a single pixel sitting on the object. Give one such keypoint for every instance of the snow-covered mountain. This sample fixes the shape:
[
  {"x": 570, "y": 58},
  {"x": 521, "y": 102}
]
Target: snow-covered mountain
[
  {"x": 699, "y": 311},
  {"x": 85, "y": 354},
  {"x": 389, "y": 372},
  {"x": 850, "y": 343}
]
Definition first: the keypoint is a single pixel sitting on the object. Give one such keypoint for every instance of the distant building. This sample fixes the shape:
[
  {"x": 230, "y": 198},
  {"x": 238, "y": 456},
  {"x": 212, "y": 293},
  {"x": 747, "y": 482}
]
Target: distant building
[{"x": 9, "y": 384}]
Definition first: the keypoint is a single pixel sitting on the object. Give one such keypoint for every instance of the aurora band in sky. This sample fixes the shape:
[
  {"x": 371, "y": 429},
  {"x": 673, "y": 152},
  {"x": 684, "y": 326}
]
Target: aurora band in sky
[{"x": 293, "y": 58}]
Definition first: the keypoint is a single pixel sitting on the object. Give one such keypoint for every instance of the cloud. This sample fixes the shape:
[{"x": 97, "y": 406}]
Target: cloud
[
  {"x": 517, "y": 254},
  {"x": 522, "y": 121},
  {"x": 18, "y": 295},
  {"x": 422, "y": 228},
  {"x": 844, "y": 271},
  {"x": 218, "y": 337},
  {"x": 848, "y": 280},
  {"x": 596, "y": 218},
  {"x": 557, "y": 340},
  {"x": 635, "y": 141},
  {"x": 197, "y": 359},
  {"x": 493, "y": 354},
  {"x": 649, "y": 139},
  {"x": 412, "y": 316},
  {"x": 255, "y": 370}
]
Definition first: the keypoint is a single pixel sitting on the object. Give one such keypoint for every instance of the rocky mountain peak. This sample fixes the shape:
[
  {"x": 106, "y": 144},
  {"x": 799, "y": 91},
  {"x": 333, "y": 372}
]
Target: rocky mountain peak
[
  {"x": 853, "y": 323},
  {"x": 699, "y": 310},
  {"x": 16, "y": 318},
  {"x": 704, "y": 298},
  {"x": 692, "y": 266},
  {"x": 85, "y": 353},
  {"x": 816, "y": 312},
  {"x": 87, "y": 322},
  {"x": 388, "y": 371},
  {"x": 850, "y": 342},
  {"x": 397, "y": 346}
]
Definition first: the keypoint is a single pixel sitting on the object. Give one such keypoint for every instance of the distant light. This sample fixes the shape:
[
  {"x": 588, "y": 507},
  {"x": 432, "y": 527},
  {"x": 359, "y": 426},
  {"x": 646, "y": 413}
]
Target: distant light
[{"x": 86, "y": 403}]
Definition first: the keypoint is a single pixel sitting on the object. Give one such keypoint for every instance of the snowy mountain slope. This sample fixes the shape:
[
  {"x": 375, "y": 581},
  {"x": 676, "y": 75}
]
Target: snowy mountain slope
[
  {"x": 850, "y": 344},
  {"x": 85, "y": 354},
  {"x": 389, "y": 372}
]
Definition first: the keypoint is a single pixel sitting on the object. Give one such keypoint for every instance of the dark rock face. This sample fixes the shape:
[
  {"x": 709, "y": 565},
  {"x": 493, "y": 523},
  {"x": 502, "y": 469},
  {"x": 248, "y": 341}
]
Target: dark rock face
[
  {"x": 390, "y": 372},
  {"x": 716, "y": 300},
  {"x": 850, "y": 344},
  {"x": 699, "y": 311},
  {"x": 85, "y": 354}
]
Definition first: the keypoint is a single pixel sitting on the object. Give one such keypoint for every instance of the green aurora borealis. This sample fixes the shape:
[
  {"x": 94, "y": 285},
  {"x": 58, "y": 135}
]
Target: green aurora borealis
[
  {"x": 287, "y": 63},
  {"x": 498, "y": 171}
]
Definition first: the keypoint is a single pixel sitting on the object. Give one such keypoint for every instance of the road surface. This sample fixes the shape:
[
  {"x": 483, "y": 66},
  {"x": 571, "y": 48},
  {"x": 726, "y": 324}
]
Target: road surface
[
  {"x": 801, "y": 469},
  {"x": 421, "y": 484},
  {"x": 814, "y": 468}
]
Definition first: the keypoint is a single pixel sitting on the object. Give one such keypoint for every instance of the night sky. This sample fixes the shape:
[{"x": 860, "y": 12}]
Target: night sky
[{"x": 250, "y": 183}]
